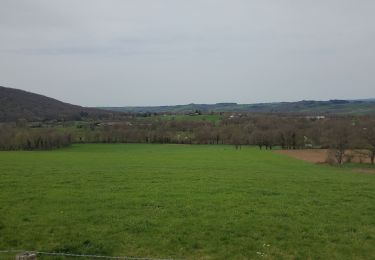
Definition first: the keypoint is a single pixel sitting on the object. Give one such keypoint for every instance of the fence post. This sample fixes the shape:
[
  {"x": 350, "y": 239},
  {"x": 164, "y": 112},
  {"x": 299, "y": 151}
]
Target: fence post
[{"x": 26, "y": 256}]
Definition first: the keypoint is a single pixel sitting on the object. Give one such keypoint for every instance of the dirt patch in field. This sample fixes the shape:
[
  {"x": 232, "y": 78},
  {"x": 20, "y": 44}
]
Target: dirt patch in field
[
  {"x": 365, "y": 171},
  {"x": 320, "y": 155},
  {"x": 310, "y": 155}
]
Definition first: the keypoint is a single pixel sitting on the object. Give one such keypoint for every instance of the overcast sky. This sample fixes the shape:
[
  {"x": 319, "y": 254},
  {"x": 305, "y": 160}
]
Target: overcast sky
[{"x": 164, "y": 52}]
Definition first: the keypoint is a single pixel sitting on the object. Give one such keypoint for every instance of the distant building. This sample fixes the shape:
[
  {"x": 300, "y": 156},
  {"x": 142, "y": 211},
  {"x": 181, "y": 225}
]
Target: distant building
[{"x": 315, "y": 117}]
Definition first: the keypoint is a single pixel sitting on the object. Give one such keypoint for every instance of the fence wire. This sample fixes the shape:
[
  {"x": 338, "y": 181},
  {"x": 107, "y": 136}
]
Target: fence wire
[{"x": 52, "y": 254}]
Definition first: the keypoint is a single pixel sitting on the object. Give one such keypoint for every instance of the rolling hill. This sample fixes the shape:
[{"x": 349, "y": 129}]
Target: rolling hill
[
  {"x": 349, "y": 107},
  {"x": 17, "y": 104}
]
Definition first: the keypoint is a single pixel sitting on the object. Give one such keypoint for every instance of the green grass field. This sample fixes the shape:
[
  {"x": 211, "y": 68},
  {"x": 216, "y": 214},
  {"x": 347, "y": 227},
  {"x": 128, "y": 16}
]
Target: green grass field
[{"x": 184, "y": 201}]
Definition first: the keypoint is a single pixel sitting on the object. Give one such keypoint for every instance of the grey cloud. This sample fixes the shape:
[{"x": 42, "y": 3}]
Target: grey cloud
[{"x": 153, "y": 52}]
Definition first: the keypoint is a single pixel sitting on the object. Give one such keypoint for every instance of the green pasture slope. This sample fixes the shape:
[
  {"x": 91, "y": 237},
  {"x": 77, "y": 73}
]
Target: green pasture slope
[{"x": 185, "y": 202}]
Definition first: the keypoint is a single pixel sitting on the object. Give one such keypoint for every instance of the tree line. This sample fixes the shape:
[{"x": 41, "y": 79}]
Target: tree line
[
  {"x": 265, "y": 131},
  {"x": 17, "y": 138}
]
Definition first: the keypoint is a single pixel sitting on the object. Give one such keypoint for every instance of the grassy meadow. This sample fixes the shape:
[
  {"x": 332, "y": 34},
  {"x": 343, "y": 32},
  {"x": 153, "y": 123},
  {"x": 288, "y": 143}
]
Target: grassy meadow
[{"x": 185, "y": 202}]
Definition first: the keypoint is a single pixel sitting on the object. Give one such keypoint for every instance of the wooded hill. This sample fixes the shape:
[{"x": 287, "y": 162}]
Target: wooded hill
[
  {"x": 348, "y": 107},
  {"x": 16, "y": 104}
]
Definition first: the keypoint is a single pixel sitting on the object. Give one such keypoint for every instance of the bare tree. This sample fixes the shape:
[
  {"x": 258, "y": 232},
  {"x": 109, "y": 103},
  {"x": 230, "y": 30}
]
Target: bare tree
[
  {"x": 338, "y": 139},
  {"x": 258, "y": 138},
  {"x": 369, "y": 136}
]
